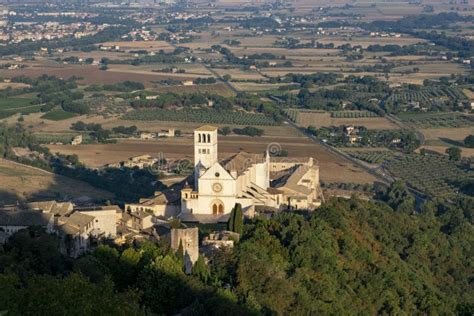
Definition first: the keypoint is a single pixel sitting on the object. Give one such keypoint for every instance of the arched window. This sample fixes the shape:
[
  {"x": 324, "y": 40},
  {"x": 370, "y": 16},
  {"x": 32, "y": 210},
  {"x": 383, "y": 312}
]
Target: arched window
[
  {"x": 217, "y": 207},
  {"x": 208, "y": 138},
  {"x": 199, "y": 138}
]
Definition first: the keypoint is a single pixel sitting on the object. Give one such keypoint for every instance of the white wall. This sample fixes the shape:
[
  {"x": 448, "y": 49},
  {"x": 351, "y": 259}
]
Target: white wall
[{"x": 104, "y": 220}]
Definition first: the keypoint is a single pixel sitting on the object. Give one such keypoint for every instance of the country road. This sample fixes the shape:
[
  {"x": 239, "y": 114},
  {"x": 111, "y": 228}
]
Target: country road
[
  {"x": 381, "y": 176},
  {"x": 377, "y": 172}
]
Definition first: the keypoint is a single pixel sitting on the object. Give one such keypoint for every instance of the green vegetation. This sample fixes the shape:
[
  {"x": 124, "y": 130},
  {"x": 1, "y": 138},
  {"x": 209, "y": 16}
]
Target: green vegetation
[
  {"x": 375, "y": 157},
  {"x": 360, "y": 136},
  {"x": 440, "y": 97},
  {"x": 58, "y": 115},
  {"x": 236, "y": 220},
  {"x": 454, "y": 153},
  {"x": 249, "y": 131},
  {"x": 15, "y": 103},
  {"x": 469, "y": 141},
  {"x": 126, "y": 86},
  {"x": 349, "y": 257},
  {"x": 353, "y": 114},
  {"x": 437, "y": 120},
  {"x": 433, "y": 175},
  {"x": 201, "y": 116}
]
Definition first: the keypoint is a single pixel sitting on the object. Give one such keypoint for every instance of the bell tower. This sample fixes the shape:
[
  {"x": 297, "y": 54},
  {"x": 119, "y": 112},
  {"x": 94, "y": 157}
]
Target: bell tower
[{"x": 205, "y": 149}]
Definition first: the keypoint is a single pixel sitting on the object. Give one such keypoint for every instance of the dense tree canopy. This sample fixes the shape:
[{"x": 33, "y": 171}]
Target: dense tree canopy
[{"x": 349, "y": 256}]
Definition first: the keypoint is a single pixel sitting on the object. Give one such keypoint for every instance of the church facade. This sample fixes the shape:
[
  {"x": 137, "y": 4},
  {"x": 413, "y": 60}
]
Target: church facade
[{"x": 257, "y": 182}]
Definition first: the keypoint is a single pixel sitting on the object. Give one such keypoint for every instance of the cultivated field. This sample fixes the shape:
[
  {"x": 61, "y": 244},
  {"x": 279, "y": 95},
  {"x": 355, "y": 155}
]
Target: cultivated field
[
  {"x": 332, "y": 168},
  {"x": 439, "y": 139},
  {"x": 319, "y": 119},
  {"x": 20, "y": 182}
]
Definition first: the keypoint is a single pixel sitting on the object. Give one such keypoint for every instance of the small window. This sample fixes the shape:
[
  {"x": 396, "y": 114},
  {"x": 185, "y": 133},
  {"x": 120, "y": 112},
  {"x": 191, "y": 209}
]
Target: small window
[{"x": 217, "y": 174}]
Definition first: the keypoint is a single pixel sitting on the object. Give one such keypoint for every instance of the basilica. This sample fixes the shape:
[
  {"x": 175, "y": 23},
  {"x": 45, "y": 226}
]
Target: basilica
[{"x": 259, "y": 182}]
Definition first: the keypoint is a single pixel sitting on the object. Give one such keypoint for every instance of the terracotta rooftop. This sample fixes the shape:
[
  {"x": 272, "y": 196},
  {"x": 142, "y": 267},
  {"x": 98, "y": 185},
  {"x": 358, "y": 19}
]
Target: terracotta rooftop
[{"x": 206, "y": 128}]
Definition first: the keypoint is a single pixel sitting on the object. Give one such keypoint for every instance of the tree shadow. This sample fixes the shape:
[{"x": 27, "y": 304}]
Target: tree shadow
[{"x": 452, "y": 142}]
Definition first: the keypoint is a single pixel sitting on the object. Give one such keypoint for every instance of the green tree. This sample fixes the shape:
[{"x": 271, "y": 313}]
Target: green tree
[
  {"x": 469, "y": 141},
  {"x": 236, "y": 219},
  {"x": 201, "y": 270},
  {"x": 454, "y": 153}
]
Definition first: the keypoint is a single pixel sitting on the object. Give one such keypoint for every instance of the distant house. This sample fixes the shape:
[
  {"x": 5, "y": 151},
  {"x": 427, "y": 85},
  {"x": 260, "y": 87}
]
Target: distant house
[
  {"x": 147, "y": 135},
  {"x": 188, "y": 83},
  {"x": 141, "y": 162},
  {"x": 76, "y": 140},
  {"x": 138, "y": 220},
  {"x": 167, "y": 133}
]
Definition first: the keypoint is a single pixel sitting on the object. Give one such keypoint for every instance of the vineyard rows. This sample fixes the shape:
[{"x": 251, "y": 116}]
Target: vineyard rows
[
  {"x": 433, "y": 175},
  {"x": 353, "y": 114},
  {"x": 201, "y": 116}
]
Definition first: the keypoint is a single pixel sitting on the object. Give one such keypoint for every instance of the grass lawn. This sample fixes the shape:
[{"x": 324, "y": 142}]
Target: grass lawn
[
  {"x": 15, "y": 103},
  {"x": 58, "y": 115}
]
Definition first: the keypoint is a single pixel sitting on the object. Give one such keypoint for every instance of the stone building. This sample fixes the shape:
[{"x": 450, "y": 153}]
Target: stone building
[
  {"x": 253, "y": 180},
  {"x": 189, "y": 238}
]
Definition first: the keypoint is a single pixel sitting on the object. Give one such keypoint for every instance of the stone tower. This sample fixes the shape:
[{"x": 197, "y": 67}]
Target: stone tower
[
  {"x": 205, "y": 150},
  {"x": 189, "y": 238}
]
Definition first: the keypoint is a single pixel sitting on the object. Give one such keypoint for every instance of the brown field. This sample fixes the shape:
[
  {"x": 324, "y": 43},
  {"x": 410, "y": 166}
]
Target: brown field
[
  {"x": 137, "y": 45},
  {"x": 466, "y": 152},
  {"x": 90, "y": 74},
  {"x": 451, "y": 133},
  {"x": 365, "y": 41},
  {"x": 20, "y": 182},
  {"x": 254, "y": 87},
  {"x": 217, "y": 88},
  {"x": 469, "y": 93},
  {"x": 13, "y": 85},
  {"x": 324, "y": 119},
  {"x": 333, "y": 169},
  {"x": 440, "y": 139},
  {"x": 238, "y": 73},
  {"x": 191, "y": 72},
  {"x": 38, "y": 125}
]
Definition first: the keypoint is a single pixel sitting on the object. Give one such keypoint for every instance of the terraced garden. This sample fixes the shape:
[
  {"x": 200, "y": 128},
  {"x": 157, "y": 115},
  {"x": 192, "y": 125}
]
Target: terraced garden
[
  {"x": 374, "y": 157},
  {"x": 433, "y": 175},
  {"x": 201, "y": 116},
  {"x": 437, "y": 120}
]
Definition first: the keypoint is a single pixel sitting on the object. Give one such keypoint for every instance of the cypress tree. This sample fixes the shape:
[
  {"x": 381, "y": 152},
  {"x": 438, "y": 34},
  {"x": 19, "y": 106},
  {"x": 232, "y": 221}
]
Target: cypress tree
[{"x": 238, "y": 219}]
